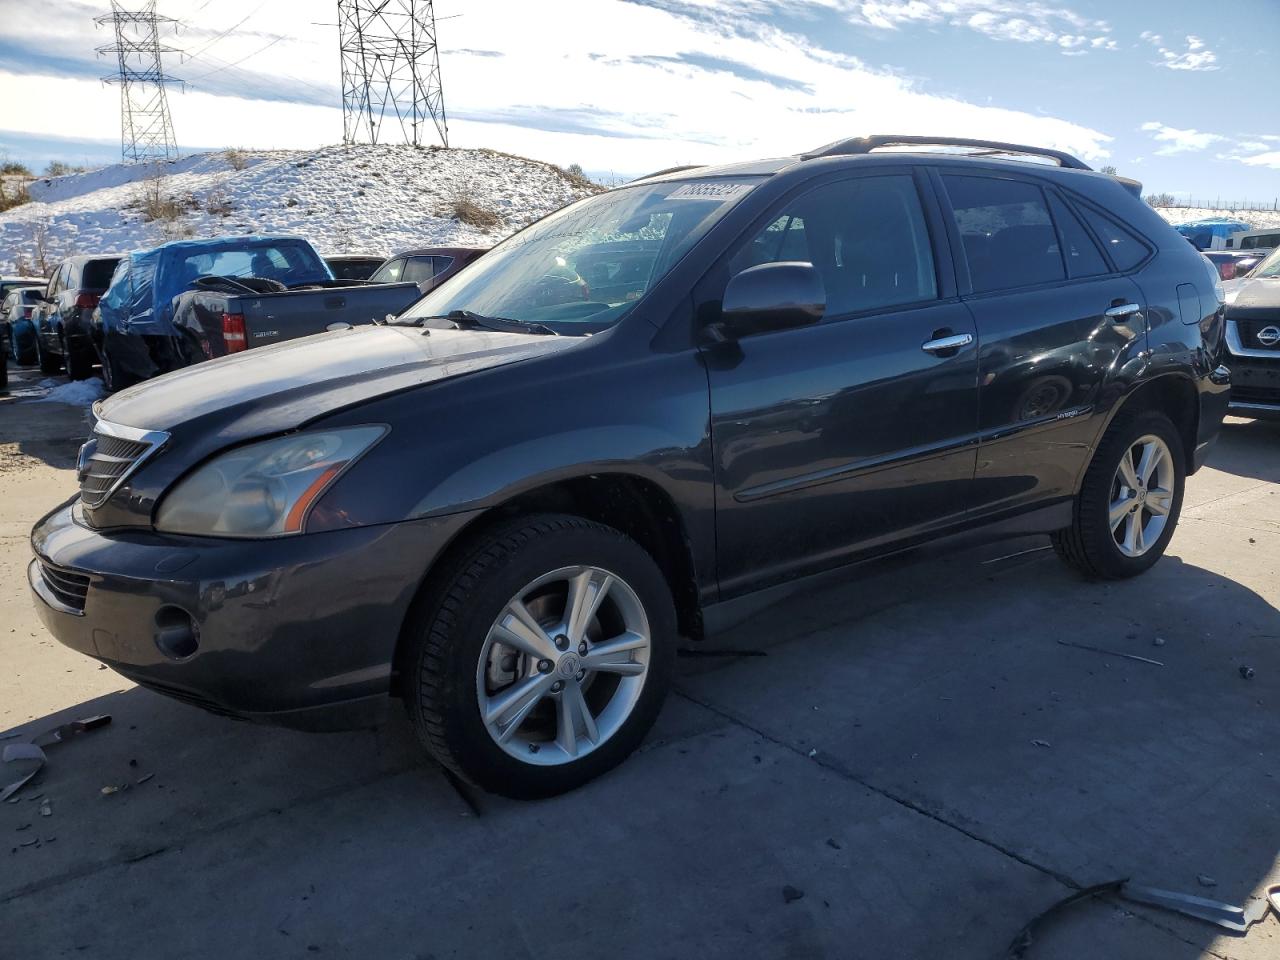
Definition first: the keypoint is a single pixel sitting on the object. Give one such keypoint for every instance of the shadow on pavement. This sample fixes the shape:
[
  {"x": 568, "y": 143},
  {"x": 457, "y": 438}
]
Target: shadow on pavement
[
  {"x": 928, "y": 821},
  {"x": 1249, "y": 448}
]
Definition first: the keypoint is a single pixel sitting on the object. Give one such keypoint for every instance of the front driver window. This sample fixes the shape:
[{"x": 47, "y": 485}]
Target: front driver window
[{"x": 866, "y": 237}]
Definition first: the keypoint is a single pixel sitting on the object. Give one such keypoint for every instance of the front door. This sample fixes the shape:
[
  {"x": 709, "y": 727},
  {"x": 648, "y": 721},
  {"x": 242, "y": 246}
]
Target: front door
[{"x": 860, "y": 430}]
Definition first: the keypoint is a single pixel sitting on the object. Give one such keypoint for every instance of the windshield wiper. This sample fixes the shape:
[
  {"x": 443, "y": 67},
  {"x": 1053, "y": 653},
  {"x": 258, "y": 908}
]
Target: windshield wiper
[{"x": 470, "y": 320}]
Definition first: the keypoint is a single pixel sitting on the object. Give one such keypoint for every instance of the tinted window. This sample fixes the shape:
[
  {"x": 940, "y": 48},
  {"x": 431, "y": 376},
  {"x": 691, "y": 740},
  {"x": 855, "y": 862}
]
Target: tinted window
[
  {"x": 1078, "y": 248},
  {"x": 442, "y": 264},
  {"x": 388, "y": 272},
  {"x": 417, "y": 269},
  {"x": 97, "y": 274},
  {"x": 1008, "y": 237},
  {"x": 867, "y": 237},
  {"x": 1125, "y": 249}
]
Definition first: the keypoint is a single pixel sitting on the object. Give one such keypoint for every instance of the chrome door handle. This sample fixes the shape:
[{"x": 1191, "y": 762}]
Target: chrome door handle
[
  {"x": 942, "y": 344},
  {"x": 1122, "y": 311}
]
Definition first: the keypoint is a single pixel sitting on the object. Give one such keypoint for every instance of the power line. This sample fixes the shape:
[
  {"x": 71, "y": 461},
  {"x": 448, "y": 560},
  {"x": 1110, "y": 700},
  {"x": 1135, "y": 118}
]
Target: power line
[
  {"x": 390, "y": 68},
  {"x": 146, "y": 129}
]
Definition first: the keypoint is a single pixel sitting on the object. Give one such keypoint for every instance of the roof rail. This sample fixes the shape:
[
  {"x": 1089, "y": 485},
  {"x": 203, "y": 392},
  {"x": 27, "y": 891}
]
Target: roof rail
[
  {"x": 663, "y": 173},
  {"x": 867, "y": 144}
]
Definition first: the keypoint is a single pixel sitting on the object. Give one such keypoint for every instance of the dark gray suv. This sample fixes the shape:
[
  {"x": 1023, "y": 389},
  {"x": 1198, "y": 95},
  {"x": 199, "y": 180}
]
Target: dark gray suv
[{"x": 620, "y": 426}]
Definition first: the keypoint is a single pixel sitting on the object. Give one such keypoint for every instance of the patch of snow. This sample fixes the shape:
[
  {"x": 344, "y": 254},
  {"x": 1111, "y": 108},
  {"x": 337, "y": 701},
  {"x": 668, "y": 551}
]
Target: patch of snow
[
  {"x": 357, "y": 198},
  {"x": 78, "y": 393},
  {"x": 1260, "y": 219}
]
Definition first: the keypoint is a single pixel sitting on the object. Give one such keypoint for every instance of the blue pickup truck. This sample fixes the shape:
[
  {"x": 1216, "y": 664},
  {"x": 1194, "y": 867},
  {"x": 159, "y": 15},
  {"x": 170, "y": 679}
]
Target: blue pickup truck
[{"x": 193, "y": 300}]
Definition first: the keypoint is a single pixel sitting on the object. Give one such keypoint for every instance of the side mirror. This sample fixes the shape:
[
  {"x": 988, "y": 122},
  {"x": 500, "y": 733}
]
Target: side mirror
[{"x": 772, "y": 296}]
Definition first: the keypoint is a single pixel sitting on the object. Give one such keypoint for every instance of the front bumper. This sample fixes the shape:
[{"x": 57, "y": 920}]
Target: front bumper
[
  {"x": 1255, "y": 387},
  {"x": 299, "y": 631}
]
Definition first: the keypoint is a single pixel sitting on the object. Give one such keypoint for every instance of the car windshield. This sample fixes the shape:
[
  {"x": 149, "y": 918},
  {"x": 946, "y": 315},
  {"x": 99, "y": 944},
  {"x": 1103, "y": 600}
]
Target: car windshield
[
  {"x": 1269, "y": 267},
  {"x": 581, "y": 269}
]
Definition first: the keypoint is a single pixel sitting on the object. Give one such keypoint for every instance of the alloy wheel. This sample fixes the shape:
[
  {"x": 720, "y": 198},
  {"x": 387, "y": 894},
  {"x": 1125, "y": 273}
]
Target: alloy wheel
[
  {"x": 1142, "y": 495},
  {"x": 563, "y": 665}
]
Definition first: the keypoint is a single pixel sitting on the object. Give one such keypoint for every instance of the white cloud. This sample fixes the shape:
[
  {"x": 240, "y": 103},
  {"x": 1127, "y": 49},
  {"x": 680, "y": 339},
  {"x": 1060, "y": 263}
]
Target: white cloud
[
  {"x": 1180, "y": 141},
  {"x": 1271, "y": 159},
  {"x": 1007, "y": 20},
  {"x": 644, "y": 106},
  {"x": 1196, "y": 56}
]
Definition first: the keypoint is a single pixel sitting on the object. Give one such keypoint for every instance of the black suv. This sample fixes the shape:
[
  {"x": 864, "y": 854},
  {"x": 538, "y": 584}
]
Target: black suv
[
  {"x": 507, "y": 506},
  {"x": 64, "y": 336}
]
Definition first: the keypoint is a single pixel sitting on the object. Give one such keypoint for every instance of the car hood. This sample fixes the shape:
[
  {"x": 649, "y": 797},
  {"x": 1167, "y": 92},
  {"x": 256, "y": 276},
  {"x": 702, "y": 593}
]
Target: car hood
[
  {"x": 1247, "y": 295},
  {"x": 284, "y": 386}
]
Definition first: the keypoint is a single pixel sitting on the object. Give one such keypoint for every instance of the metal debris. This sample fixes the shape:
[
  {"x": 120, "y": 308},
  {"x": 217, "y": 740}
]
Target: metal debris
[
  {"x": 1226, "y": 915},
  {"x": 22, "y": 761},
  {"x": 1111, "y": 653},
  {"x": 1026, "y": 936}
]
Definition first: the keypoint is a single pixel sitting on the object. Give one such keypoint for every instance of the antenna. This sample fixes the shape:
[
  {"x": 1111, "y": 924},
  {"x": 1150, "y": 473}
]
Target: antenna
[
  {"x": 146, "y": 129},
  {"x": 390, "y": 69}
]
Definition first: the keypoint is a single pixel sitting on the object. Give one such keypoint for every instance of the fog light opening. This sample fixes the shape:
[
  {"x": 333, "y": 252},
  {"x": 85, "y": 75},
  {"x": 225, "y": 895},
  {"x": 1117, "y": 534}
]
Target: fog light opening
[{"x": 177, "y": 635}]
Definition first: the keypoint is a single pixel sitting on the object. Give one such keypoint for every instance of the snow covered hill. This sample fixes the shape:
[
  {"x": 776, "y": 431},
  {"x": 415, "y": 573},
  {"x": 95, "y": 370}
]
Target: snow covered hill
[
  {"x": 1261, "y": 219},
  {"x": 357, "y": 199}
]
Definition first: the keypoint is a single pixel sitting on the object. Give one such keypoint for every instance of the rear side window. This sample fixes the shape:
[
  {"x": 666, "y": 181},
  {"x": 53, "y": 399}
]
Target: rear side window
[
  {"x": 417, "y": 269},
  {"x": 866, "y": 237},
  {"x": 441, "y": 264},
  {"x": 1126, "y": 250},
  {"x": 97, "y": 274},
  {"x": 1008, "y": 236},
  {"x": 388, "y": 272},
  {"x": 1078, "y": 249}
]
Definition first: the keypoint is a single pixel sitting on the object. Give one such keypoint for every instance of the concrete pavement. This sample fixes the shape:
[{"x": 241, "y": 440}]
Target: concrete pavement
[{"x": 882, "y": 759}]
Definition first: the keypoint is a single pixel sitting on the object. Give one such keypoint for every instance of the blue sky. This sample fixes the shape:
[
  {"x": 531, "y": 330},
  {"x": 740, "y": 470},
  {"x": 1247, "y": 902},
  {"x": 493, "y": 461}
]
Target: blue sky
[{"x": 1169, "y": 92}]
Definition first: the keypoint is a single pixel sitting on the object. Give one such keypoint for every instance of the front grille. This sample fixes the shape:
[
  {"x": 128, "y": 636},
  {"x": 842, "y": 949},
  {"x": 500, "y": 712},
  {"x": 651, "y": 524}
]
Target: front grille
[
  {"x": 1255, "y": 395},
  {"x": 67, "y": 586},
  {"x": 110, "y": 456},
  {"x": 1250, "y": 328}
]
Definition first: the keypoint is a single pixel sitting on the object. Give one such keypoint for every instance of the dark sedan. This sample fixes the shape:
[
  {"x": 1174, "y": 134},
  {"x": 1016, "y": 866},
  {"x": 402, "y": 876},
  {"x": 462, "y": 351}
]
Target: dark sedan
[
  {"x": 428, "y": 267},
  {"x": 508, "y": 505}
]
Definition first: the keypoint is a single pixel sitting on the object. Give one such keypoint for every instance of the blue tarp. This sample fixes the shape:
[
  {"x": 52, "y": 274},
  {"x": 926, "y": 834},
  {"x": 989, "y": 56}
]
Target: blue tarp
[
  {"x": 1202, "y": 232},
  {"x": 139, "y": 301}
]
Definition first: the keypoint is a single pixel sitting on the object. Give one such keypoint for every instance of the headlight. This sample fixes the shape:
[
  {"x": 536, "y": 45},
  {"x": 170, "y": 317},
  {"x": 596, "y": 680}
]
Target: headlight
[{"x": 263, "y": 489}]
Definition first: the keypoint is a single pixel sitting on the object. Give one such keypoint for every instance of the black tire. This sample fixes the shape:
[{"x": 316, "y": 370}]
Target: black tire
[
  {"x": 49, "y": 364},
  {"x": 113, "y": 377},
  {"x": 449, "y": 632},
  {"x": 1088, "y": 545},
  {"x": 4, "y": 370},
  {"x": 79, "y": 362}
]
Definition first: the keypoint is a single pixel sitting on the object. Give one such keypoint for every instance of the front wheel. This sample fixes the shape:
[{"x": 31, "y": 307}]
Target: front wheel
[
  {"x": 1130, "y": 500},
  {"x": 543, "y": 657}
]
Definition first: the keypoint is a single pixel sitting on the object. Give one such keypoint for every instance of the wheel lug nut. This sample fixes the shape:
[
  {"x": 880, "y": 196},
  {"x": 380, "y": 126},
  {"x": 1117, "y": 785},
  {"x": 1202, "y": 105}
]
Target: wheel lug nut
[
  {"x": 582, "y": 647},
  {"x": 581, "y": 674},
  {"x": 562, "y": 642},
  {"x": 557, "y": 686},
  {"x": 544, "y": 666}
]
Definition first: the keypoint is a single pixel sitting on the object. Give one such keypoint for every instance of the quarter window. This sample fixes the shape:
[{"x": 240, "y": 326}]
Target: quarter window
[
  {"x": 417, "y": 269},
  {"x": 1078, "y": 249},
  {"x": 866, "y": 237},
  {"x": 1126, "y": 250},
  {"x": 1008, "y": 237}
]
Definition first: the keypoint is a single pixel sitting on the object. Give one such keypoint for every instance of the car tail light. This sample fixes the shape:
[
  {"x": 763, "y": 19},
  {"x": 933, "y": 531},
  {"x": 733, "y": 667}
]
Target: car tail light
[
  {"x": 1227, "y": 270},
  {"x": 233, "y": 333},
  {"x": 87, "y": 301}
]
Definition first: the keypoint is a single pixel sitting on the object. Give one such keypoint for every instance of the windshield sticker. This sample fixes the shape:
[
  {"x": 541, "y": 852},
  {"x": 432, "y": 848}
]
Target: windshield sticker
[{"x": 709, "y": 190}]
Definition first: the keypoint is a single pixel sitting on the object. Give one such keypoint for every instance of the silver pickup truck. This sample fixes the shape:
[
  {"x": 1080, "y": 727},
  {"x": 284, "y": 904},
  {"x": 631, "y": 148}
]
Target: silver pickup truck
[{"x": 193, "y": 300}]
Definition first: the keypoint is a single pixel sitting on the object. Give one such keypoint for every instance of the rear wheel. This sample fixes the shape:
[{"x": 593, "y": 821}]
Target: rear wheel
[
  {"x": 49, "y": 363},
  {"x": 4, "y": 369},
  {"x": 543, "y": 658},
  {"x": 1130, "y": 500},
  {"x": 78, "y": 361}
]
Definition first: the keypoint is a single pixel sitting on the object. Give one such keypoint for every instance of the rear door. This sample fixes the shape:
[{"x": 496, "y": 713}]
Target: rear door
[
  {"x": 840, "y": 437},
  {"x": 1040, "y": 288}
]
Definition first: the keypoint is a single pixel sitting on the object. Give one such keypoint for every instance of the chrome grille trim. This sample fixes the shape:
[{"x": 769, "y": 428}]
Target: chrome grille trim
[{"x": 110, "y": 456}]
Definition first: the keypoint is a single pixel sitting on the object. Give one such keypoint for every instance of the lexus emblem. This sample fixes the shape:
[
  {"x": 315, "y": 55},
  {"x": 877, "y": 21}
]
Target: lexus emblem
[{"x": 1269, "y": 336}]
